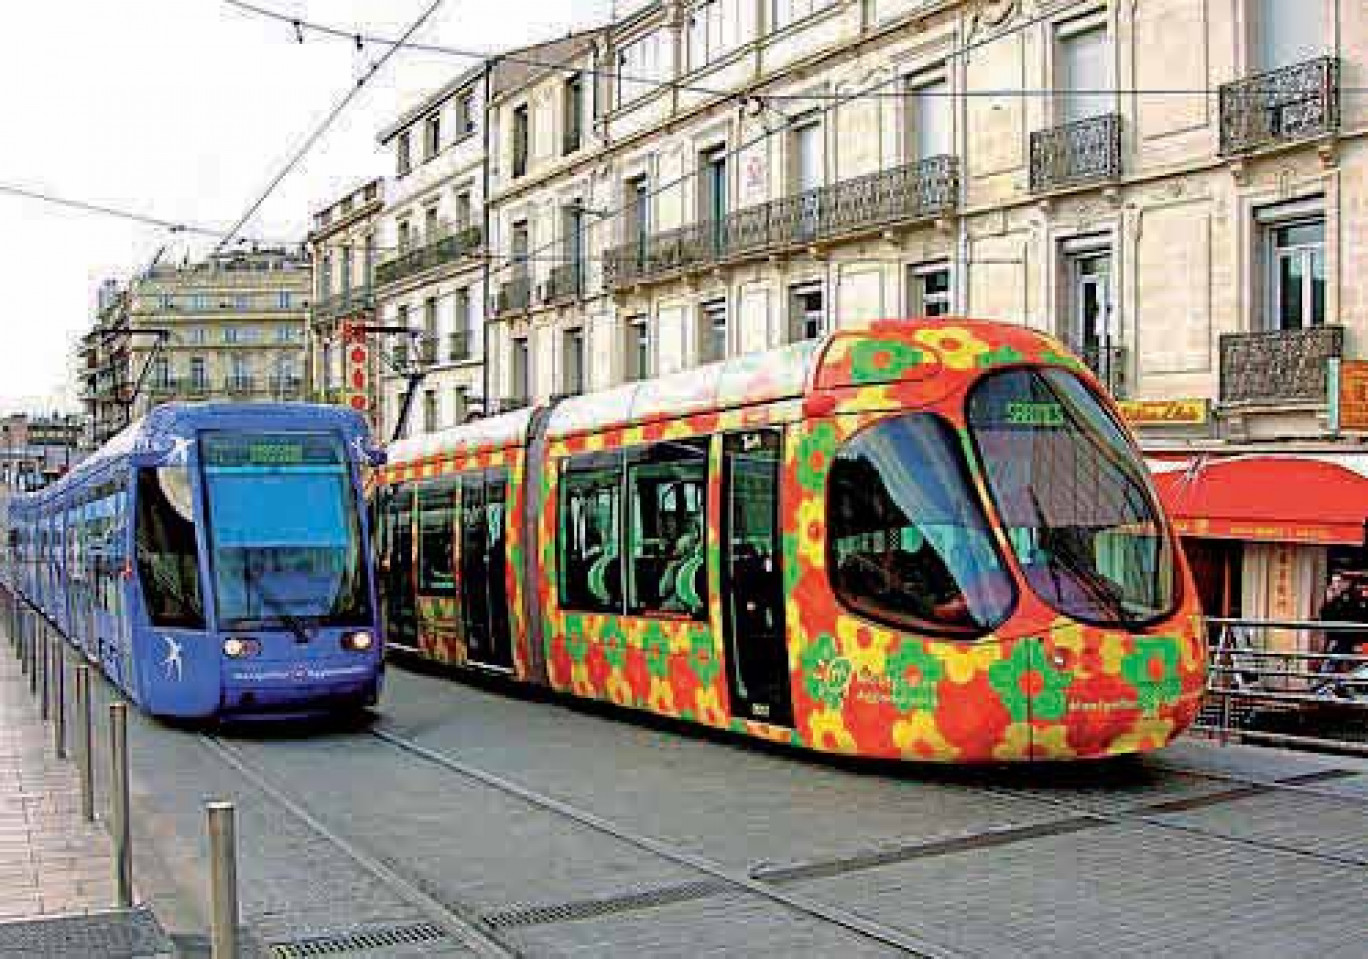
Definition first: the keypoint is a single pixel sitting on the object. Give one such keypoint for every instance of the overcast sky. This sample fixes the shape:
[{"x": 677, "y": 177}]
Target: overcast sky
[{"x": 184, "y": 110}]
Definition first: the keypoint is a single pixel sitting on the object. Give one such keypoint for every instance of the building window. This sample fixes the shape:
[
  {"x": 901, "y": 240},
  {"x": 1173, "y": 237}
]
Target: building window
[
  {"x": 807, "y": 312},
  {"x": 432, "y": 136},
  {"x": 199, "y": 334},
  {"x": 929, "y": 290},
  {"x": 405, "y": 235},
  {"x": 1087, "y": 323},
  {"x": 284, "y": 334},
  {"x": 465, "y": 116},
  {"x": 165, "y": 301},
  {"x": 1083, "y": 72},
  {"x": 460, "y": 405},
  {"x": 573, "y": 108},
  {"x": 572, "y": 362},
  {"x": 637, "y": 354},
  {"x": 231, "y": 334},
  {"x": 242, "y": 303},
  {"x": 715, "y": 29},
  {"x": 642, "y": 64},
  {"x": 198, "y": 378},
  {"x": 429, "y": 411},
  {"x": 573, "y": 247},
  {"x": 431, "y": 224},
  {"x": 712, "y": 195},
  {"x": 930, "y": 119},
  {"x": 460, "y": 333},
  {"x": 429, "y": 349},
  {"x": 638, "y": 219},
  {"x": 285, "y": 300},
  {"x": 522, "y": 141},
  {"x": 791, "y": 11},
  {"x": 199, "y": 301},
  {"x": 712, "y": 332},
  {"x": 405, "y": 159},
  {"x": 462, "y": 209},
  {"x": 1288, "y": 32},
  {"x": 521, "y": 372},
  {"x": 161, "y": 372},
  {"x": 1296, "y": 274}
]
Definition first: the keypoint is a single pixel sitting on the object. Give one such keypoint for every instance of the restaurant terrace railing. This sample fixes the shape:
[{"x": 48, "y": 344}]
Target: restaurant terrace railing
[
  {"x": 1078, "y": 153},
  {"x": 452, "y": 246},
  {"x": 905, "y": 194},
  {"x": 1279, "y": 366},
  {"x": 1290, "y": 103}
]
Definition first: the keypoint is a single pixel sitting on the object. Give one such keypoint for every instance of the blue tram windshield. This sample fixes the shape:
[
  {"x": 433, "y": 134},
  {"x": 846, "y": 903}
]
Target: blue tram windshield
[
  {"x": 284, "y": 530},
  {"x": 1075, "y": 498}
]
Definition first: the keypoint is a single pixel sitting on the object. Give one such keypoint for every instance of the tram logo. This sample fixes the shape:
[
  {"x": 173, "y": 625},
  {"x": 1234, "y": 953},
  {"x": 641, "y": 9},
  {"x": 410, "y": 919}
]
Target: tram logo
[{"x": 174, "y": 664}]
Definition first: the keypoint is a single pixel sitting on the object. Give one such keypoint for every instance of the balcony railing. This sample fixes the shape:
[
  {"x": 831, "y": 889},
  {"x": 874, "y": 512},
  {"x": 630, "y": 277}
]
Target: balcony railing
[
  {"x": 360, "y": 299},
  {"x": 906, "y": 194},
  {"x": 514, "y": 295},
  {"x": 1085, "y": 151},
  {"x": 571, "y": 140},
  {"x": 1108, "y": 364},
  {"x": 286, "y": 385},
  {"x": 1291, "y": 103},
  {"x": 565, "y": 282},
  {"x": 510, "y": 403},
  {"x": 458, "y": 347},
  {"x": 453, "y": 246},
  {"x": 1278, "y": 366},
  {"x": 239, "y": 384}
]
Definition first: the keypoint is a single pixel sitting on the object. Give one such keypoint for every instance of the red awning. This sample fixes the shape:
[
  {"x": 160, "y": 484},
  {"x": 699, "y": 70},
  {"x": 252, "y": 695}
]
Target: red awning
[{"x": 1284, "y": 498}]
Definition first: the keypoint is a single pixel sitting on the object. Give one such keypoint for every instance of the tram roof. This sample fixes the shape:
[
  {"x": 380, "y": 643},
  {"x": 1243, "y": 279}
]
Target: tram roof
[
  {"x": 491, "y": 432},
  {"x": 172, "y": 419}
]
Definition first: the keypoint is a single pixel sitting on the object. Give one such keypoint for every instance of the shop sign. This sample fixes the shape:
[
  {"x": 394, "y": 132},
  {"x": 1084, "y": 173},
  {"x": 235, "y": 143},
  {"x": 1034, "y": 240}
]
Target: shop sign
[
  {"x": 1180, "y": 412},
  {"x": 1353, "y": 395}
]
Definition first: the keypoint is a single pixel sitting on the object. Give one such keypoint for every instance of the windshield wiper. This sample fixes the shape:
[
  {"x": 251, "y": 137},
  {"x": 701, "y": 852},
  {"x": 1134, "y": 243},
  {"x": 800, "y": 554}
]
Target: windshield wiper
[{"x": 291, "y": 621}]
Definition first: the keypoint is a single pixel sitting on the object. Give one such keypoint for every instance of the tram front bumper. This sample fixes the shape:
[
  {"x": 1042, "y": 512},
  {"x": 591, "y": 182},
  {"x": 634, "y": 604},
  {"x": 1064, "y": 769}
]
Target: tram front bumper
[{"x": 265, "y": 687}]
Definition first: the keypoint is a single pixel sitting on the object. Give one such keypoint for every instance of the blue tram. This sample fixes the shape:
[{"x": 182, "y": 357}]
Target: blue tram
[{"x": 213, "y": 559}]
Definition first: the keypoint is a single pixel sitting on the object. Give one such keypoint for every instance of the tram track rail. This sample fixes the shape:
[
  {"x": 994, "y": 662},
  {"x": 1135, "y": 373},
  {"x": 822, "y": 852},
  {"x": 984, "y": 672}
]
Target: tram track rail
[{"x": 901, "y": 939}]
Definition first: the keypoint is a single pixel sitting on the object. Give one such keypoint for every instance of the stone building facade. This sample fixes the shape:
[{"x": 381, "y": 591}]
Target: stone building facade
[
  {"x": 343, "y": 364},
  {"x": 103, "y": 366},
  {"x": 1172, "y": 187},
  {"x": 229, "y": 327}
]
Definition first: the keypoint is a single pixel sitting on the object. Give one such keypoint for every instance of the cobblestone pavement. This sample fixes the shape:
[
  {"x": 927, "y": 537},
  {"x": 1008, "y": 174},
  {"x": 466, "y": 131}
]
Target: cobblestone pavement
[
  {"x": 51, "y": 860},
  {"x": 1182, "y": 853}
]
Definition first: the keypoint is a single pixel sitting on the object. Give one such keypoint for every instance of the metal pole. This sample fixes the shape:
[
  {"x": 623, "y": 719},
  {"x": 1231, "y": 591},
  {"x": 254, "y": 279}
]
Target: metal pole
[
  {"x": 59, "y": 735},
  {"x": 84, "y": 754},
  {"x": 20, "y": 628},
  {"x": 32, "y": 631},
  {"x": 44, "y": 692},
  {"x": 118, "y": 787},
  {"x": 223, "y": 896}
]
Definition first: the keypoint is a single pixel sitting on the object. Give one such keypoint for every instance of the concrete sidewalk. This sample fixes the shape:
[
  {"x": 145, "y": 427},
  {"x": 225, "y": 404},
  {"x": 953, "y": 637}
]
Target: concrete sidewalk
[{"x": 51, "y": 860}]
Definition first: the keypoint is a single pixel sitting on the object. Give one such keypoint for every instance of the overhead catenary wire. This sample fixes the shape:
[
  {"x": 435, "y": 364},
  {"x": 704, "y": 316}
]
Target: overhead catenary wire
[{"x": 328, "y": 121}]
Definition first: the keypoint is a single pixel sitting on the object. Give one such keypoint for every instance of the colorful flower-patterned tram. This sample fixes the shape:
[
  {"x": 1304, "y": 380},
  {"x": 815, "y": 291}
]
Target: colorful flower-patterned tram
[{"x": 926, "y": 540}]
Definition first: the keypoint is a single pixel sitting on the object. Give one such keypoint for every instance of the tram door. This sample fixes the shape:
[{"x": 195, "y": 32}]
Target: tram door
[
  {"x": 752, "y": 578},
  {"x": 484, "y": 592},
  {"x": 395, "y": 514}
]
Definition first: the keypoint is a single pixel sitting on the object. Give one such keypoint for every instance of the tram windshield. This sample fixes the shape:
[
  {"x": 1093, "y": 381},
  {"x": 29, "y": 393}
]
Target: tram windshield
[
  {"x": 909, "y": 543},
  {"x": 284, "y": 531},
  {"x": 1074, "y": 497}
]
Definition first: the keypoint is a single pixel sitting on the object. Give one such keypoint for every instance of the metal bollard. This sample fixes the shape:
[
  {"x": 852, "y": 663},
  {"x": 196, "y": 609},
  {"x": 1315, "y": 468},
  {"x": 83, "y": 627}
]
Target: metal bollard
[
  {"x": 44, "y": 660},
  {"x": 223, "y": 897},
  {"x": 84, "y": 753},
  {"x": 59, "y": 725},
  {"x": 119, "y": 826}
]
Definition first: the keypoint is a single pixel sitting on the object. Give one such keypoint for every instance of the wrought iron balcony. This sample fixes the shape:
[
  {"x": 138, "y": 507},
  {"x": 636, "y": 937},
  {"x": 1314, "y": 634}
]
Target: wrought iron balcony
[
  {"x": 1291, "y": 103},
  {"x": 286, "y": 385},
  {"x": 458, "y": 346},
  {"x": 351, "y": 302},
  {"x": 565, "y": 283},
  {"x": 514, "y": 295},
  {"x": 903, "y": 195},
  {"x": 239, "y": 384},
  {"x": 1278, "y": 366},
  {"x": 445, "y": 249},
  {"x": 1085, "y": 151},
  {"x": 1108, "y": 364},
  {"x": 163, "y": 387}
]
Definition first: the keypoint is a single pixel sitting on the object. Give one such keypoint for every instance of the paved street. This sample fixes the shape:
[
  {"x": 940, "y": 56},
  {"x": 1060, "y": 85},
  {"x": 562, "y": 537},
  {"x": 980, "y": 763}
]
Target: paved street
[{"x": 471, "y": 820}]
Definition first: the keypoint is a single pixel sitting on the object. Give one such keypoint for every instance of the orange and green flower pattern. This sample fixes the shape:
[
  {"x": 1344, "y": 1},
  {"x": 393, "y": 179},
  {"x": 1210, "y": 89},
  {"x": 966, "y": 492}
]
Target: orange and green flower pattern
[{"x": 1041, "y": 687}]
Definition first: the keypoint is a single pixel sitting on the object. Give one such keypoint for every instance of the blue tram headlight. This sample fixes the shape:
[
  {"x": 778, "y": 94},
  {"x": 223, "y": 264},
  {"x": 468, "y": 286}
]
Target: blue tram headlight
[
  {"x": 237, "y": 648},
  {"x": 358, "y": 642}
]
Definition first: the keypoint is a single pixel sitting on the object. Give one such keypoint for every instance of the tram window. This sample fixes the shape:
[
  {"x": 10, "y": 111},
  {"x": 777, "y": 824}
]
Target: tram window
[
  {"x": 909, "y": 544},
  {"x": 590, "y": 510},
  {"x": 436, "y": 520},
  {"x": 666, "y": 572},
  {"x": 168, "y": 564}
]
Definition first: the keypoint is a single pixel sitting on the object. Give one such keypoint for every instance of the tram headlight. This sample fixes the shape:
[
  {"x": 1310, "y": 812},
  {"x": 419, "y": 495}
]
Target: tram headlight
[
  {"x": 358, "y": 642},
  {"x": 237, "y": 648}
]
